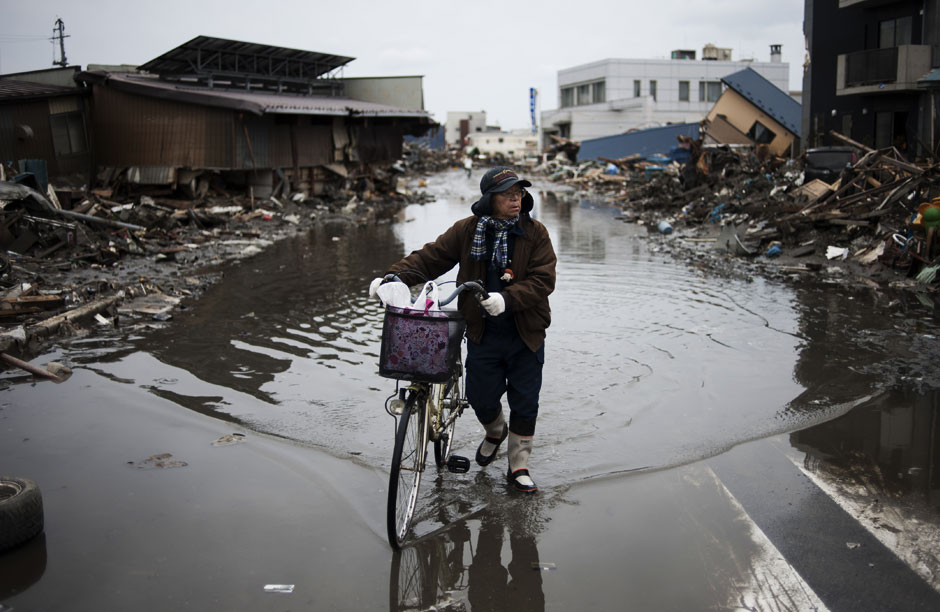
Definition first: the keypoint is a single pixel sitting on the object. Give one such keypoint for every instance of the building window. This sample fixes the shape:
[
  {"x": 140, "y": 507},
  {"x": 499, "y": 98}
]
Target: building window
[
  {"x": 567, "y": 97},
  {"x": 68, "y": 133},
  {"x": 684, "y": 91},
  {"x": 636, "y": 89},
  {"x": 895, "y": 32},
  {"x": 709, "y": 91},
  {"x": 760, "y": 133},
  {"x": 584, "y": 94},
  {"x": 653, "y": 90},
  {"x": 600, "y": 95}
]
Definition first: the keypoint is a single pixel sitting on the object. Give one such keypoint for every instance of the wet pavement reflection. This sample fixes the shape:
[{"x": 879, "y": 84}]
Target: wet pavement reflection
[
  {"x": 487, "y": 563},
  {"x": 652, "y": 365}
]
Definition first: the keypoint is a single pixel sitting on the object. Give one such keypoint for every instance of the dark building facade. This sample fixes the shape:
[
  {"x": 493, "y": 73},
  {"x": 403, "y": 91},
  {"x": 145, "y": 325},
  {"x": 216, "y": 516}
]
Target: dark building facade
[
  {"x": 871, "y": 74},
  {"x": 44, "y": 116},
  {"x": 209, "y": 106}
]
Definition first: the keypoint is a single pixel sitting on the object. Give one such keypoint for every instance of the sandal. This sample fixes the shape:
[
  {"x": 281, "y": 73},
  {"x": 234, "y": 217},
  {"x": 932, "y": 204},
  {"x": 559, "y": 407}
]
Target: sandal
[
  {"x": 487, "y": 459},
  {"x": 513, "y": 477}
]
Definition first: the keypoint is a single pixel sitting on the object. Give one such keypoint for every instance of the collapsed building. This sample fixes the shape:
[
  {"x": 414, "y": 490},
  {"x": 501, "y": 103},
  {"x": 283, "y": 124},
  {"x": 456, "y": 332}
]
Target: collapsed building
[{"x": 254, "y": 116}]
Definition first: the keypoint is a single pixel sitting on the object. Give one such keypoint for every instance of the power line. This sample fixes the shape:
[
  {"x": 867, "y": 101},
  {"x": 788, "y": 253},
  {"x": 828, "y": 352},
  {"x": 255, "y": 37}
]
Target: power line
[{"x": 22, "y": 37}]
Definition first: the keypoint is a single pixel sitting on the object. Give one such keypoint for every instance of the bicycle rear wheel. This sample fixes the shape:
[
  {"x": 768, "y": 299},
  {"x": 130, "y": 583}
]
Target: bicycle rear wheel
[
  {"x": 450, "y": 404},
  {"x": 411, "y": 441}
]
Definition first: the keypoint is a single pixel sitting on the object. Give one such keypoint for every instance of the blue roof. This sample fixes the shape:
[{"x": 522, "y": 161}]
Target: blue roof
[
  {"x": 932, "y": 76},
  {"x": 433, "y": 139},
  {"x": 766, "y": 96},
  {"x": 645, "y": 142}
]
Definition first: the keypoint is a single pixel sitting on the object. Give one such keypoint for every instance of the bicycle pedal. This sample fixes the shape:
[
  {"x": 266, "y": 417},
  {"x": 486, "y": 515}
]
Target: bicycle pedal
[{"x": 458, "y": 464}]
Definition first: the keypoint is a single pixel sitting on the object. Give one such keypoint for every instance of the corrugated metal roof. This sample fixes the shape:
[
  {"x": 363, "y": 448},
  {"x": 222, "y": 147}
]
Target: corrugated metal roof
[
  {"x": 10, "y": 88},
  {"x": 647, "y": 142},
  {"x": 254, "y": 102},
  {"x": 219, "y": 54},
  {"x": 767, "y": 97}
]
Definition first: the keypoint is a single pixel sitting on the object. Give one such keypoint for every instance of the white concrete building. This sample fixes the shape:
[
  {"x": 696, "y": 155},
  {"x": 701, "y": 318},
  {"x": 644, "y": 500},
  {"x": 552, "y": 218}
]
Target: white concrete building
[
  {"x": 613, "y": 96},
  {"x": 461, "y": 124},
  {"x": 518, "y": 145}
]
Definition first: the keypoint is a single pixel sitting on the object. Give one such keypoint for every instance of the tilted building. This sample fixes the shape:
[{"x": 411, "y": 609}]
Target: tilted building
[{"x": 613, "y": 96}]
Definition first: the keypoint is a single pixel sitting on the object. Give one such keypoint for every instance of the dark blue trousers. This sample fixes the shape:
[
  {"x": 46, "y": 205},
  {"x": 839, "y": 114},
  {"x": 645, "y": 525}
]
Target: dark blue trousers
[{"x": 502, "y": 363}]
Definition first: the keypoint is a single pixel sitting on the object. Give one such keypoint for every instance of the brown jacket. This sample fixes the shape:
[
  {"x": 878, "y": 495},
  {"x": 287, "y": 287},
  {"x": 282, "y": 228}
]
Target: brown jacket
[{"x": 533, "y": 267}]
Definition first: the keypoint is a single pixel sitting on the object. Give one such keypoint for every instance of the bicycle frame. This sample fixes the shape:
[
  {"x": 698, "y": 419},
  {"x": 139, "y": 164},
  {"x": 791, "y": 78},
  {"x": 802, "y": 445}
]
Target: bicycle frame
[
  {"x": 436, "y": 394},
  {"x": 425, "y": 412}
]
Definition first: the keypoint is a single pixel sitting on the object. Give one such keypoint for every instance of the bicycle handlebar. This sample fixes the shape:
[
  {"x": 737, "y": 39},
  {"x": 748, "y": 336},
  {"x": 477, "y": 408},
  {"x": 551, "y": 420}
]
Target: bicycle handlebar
[{"x": 476, "y": 286}]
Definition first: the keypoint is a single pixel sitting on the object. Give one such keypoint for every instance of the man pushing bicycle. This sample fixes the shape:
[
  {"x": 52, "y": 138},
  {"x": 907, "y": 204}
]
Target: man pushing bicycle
[{"x": 502, "y": 244}]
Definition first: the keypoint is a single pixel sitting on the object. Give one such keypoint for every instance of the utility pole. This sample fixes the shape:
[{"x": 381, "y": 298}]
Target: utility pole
[{"x": 58, "y": 33}]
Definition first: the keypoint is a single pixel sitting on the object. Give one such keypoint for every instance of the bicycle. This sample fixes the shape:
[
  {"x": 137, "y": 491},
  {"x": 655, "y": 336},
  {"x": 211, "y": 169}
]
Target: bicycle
[{"x": 422, "y": 348}]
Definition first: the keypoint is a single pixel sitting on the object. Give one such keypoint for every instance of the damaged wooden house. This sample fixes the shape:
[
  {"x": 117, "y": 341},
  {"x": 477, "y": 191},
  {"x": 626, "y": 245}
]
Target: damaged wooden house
[
  {"x": 754, "y": 112},
  {"x": 255, "y": 117}
]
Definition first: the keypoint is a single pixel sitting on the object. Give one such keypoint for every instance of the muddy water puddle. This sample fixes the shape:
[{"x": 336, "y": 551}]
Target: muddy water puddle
[{"x": 650, "y": 364}]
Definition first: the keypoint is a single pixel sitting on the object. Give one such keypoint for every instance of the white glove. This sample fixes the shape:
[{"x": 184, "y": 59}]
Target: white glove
[
  {"x": 494, "y": 305},
  {"x": 374, "y": 286}
]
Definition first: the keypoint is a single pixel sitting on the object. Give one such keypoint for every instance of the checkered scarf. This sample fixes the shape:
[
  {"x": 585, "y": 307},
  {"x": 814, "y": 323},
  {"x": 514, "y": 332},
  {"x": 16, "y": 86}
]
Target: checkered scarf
[{"x": 500, "y": 245}]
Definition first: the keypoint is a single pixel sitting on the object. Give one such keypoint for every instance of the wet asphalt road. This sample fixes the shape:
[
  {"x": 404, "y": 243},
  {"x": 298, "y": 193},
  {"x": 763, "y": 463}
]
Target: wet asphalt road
[{"x": 658, "y": 377}]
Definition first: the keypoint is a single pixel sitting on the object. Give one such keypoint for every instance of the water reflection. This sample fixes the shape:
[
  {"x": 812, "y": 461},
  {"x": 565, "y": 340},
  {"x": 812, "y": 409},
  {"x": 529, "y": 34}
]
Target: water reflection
[
  {"x": 515, "y": 586},
  {"x": 887, "y": 447},
  {"x": 650, "y": 362},
  {"x": 670, "y": 365},
  {"x": 300, "y": 302},
  {"x": 883, "y": 344},
  {"x": 580, "y": 242},
  {"x": 23, "y": 566},
  {"x": 447, "y": 571}
]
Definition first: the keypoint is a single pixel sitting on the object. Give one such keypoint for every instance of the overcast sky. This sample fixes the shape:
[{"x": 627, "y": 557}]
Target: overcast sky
[{"x": 474, "y": 55}]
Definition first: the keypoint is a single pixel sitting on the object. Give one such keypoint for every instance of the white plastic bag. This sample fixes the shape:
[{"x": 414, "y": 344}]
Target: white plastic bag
[
  {"x": 428, "y": 298},
  {"x": 394, "y": 294}
]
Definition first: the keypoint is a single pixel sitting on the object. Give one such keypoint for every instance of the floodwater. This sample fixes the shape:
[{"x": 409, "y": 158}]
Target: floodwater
[{"x": 653, "y": 367}]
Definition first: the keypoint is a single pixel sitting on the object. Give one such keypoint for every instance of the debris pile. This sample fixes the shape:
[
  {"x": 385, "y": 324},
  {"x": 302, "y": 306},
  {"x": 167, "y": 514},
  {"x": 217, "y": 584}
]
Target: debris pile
[
  {"x": 881, "y": 209},
  {"x": 418, "y": 158},
  {"x": 121, "y": 240}
]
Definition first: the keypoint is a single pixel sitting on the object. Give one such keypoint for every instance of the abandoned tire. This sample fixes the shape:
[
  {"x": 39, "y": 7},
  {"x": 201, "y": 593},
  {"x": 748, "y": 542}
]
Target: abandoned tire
[{"x": 20, "y": 511}]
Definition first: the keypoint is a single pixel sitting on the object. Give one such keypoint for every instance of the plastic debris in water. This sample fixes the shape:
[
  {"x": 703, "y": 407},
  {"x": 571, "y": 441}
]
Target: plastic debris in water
[
  {"x": 278, "y": 588},
  {"x": 852, "y": 545},
  {"x": 158, "y": 461},
  {"x": 235, "y": 438},
  {"x": 543, "y": 567}
]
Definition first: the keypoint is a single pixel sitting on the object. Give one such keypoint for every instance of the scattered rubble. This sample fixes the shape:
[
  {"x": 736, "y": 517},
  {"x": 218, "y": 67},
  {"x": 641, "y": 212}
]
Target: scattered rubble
[
  {"x": 125, "y": 249},
  {"x": 880, "y": 215}
]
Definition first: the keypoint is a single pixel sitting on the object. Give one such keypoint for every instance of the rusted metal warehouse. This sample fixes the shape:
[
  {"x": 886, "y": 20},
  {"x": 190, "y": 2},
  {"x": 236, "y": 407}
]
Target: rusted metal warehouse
[
  {"x": 224, "y": 105},
  {"x": 256, "y": 114},
  {"x": 42, "y": 117}
]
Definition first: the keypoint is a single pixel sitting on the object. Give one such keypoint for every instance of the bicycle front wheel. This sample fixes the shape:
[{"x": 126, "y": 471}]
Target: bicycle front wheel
[{"x": 411, "y": 441}]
